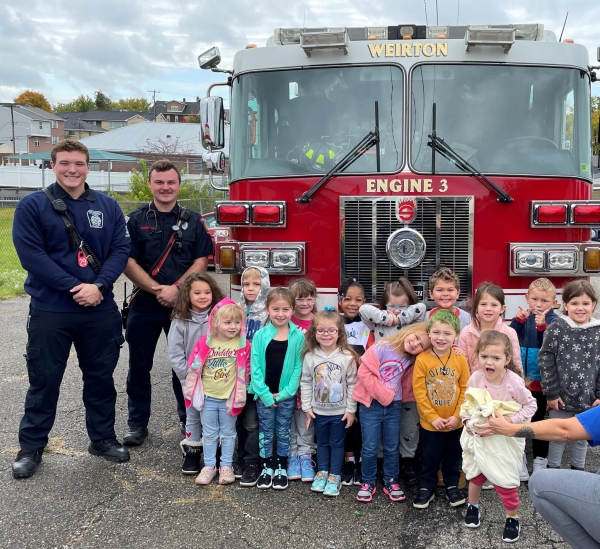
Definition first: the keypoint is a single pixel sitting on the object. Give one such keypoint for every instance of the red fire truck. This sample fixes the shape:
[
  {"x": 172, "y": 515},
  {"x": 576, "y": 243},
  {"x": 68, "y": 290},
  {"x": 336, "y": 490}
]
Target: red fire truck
[{"x": 383, "y": 152}]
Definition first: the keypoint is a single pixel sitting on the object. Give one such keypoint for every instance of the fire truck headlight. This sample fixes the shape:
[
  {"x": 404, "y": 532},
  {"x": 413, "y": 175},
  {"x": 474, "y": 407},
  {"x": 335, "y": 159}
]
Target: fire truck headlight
[
  {"x": 285, "y": 258},
  {"x": 255, "y": 258},
  {"x": 406, "y": 248},
  {"x": 530, "y": 260},
  {"x": 562, "y": 260}
]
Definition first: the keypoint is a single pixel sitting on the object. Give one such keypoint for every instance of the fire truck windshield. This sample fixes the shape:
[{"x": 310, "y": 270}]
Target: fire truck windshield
[
  {"x": 304, "y": 121},
  {"x": 503, "y": 119}
]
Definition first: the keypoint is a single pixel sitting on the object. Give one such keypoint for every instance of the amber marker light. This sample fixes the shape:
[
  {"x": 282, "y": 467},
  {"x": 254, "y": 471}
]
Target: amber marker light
[{"x": 592, "y": 260}]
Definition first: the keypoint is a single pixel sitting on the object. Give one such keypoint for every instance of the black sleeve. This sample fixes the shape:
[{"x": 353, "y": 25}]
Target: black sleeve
[{"x": 203, "y": 246}]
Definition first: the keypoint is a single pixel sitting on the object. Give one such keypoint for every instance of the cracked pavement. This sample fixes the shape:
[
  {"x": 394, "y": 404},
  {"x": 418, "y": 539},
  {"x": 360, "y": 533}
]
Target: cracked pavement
[{"x": 79, "y": 501}]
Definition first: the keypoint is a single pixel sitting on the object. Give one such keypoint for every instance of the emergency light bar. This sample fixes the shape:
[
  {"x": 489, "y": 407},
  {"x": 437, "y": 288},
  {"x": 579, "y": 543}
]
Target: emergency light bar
[
  {"x": 331, "y": 39},
  {"x": 486, "y": 35},
  {"x": 490, "y": 35}
]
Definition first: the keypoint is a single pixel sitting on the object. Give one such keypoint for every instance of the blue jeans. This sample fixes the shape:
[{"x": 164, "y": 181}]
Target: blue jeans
[
  {"x": 217, "y": 423},
  {"x": 380, "y": 424},
  {"x": 275, "y": 420},
  {"x": 331, "y": 434}
]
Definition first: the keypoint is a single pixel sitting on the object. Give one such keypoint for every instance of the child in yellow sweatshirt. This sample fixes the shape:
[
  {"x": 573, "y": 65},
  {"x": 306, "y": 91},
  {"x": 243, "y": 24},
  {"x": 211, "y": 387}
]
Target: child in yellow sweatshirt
[{"x": 439, "y": 384}]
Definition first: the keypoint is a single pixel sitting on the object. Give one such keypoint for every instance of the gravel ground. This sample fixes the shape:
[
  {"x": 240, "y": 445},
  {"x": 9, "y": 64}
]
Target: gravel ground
[{"x": 77, "y": 500}]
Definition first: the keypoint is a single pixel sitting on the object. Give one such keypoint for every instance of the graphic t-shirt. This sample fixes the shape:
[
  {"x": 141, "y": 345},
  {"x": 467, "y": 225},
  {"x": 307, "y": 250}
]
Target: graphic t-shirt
[
  {"x": 391, "y": 368},
  {"x": 218, "y": 374},
  {"x": 357, "y": 333},
  {"x": 303, "y": 325}
]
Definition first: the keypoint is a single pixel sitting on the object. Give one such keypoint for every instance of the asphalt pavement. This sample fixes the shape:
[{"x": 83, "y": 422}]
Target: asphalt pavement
[{"x": 76, "y": 500}]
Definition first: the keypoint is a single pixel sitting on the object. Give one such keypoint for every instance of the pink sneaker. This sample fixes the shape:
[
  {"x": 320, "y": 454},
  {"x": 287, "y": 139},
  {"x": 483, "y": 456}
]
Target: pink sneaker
[
  {"x": 206, "y": 475},
  {"x": 226, "y": 475}
]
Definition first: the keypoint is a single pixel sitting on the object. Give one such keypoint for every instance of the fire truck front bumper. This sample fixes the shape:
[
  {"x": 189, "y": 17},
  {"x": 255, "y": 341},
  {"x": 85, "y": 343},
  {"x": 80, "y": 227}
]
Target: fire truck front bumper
[{"x": 233, "y": 257}]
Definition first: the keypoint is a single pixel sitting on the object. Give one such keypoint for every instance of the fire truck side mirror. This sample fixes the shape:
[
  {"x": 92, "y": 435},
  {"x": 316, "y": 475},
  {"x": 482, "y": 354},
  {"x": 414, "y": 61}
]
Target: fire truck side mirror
[
  {"x": 210, "y": 59},
  {"x": 598, "y": 54},
  {"x": 212, "y": 119}
]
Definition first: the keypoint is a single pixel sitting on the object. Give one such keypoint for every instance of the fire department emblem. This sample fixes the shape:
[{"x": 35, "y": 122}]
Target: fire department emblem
[
  {"x": 96, "y": 219},
  {"x": 406, "y": 209}
]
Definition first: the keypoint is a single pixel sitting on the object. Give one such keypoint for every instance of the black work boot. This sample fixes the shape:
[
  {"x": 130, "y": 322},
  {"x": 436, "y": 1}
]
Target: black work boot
[
  {"x": 135, "y": 436},
  {"x": 26, "y": 463},
  {"x": 109, "y": 449},
  {"x": 408, "y": 474},
  {"x": 192, "y": 450}
]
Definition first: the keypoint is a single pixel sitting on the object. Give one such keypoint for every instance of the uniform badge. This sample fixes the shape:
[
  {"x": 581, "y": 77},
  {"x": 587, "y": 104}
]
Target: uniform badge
[{"x": 96, "y": 219}]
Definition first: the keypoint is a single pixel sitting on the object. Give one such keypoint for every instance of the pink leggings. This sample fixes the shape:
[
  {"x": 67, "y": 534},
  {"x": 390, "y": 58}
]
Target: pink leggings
[{"x": 509, "y": 496}]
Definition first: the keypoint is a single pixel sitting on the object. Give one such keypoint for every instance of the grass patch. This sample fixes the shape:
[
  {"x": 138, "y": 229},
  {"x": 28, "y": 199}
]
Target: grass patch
[{"x": 12, "y": 276}]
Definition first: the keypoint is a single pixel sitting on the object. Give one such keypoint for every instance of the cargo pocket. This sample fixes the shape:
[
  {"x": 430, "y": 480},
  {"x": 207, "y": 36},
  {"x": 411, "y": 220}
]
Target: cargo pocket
[{"x": 37, "y": 376}]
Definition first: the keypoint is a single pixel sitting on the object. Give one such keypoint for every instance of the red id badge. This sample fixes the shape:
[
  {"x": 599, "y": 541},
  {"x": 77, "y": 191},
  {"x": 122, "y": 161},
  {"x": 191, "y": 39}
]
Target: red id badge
[{"x": 82, "y": 260}]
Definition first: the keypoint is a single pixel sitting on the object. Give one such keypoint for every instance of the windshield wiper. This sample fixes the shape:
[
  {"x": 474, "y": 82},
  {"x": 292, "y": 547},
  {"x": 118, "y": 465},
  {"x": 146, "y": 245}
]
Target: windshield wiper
[
  {"x": 372, "y": 138},
  {"x": 439, "y": 145}
]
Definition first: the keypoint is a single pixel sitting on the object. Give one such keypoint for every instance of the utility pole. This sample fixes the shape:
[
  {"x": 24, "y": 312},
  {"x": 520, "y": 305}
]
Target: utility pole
[{"x": 154, "y": 92}]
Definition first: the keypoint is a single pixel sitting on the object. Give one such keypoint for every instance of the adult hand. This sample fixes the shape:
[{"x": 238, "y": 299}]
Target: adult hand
[
  {"x": 523, "y": 314},
  {"x": 457, "y": 350},
  {"x": 166, "y": 295},
  {"x": 500, "y": 425},
  {"x": 87, "y": 295},
  {"x": 309, "y": 416},
  {"x": 554, "y": 404}
]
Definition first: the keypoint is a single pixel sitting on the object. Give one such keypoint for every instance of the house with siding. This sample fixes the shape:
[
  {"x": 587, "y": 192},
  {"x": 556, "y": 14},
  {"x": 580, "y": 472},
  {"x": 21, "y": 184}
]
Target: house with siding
[{"x": 36, "y": 130}]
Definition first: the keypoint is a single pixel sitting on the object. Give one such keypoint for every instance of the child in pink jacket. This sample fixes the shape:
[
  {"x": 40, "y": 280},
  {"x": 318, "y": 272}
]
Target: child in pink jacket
[
  {"x": 488, "y": 308},
  {"x": 215, "y": 384},
  {"x": 379, "y": 393}
]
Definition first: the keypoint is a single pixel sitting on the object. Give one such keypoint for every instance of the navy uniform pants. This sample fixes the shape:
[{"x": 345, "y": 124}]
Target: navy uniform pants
[
  {"x": 97, "y": 338},
  {"x": 145, "y": 324}
]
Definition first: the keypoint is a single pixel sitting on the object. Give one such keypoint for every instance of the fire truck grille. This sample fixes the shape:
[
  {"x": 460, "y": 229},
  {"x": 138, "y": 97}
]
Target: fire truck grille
[{"x": 446, "y": 223}]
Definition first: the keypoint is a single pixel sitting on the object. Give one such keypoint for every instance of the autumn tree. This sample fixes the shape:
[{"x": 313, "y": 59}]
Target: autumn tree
[
  {"x": 596, "y": 124},
  {"x": 35, "y": 99},
  {"x": 193, "y": 119},
  {"x": 132, "y": 104},
  {"x": 83, "y": 103}
]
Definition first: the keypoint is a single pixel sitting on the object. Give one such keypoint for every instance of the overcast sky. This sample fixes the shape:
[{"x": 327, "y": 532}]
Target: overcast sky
[{"x": 64, "y": 48}]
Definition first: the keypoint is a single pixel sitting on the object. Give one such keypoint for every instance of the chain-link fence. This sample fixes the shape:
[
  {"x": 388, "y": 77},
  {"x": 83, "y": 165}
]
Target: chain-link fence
[{"x": 12, "y": 275}]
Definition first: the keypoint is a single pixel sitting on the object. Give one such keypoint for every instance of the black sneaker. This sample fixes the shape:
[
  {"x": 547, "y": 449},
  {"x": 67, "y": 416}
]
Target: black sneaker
[
  {"x": 358, "y": 475},
  {"x": 473, "y": 517},
  {"x": 280, "y": 479},
  {"x": 250, "y": 476},
  {"x": 265, "y": 479},
  {"x": 348, "y": 468},
  {"x": 135, "y": 436},
  {"x": 408, "y": 474},
  {"x": 238, "y": 469},
  {"x": 26, "y": 463},
  {"x": 423, "y": 498},
  {"x": 110, "y": 449},
  {"x": 512, "y": 529},
  {"x": 455, "y": 496}
]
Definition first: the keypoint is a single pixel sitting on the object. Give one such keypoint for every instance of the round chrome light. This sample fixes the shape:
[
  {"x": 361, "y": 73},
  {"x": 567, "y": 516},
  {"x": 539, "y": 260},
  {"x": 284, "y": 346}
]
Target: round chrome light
[{"x": 406, "y": 248}]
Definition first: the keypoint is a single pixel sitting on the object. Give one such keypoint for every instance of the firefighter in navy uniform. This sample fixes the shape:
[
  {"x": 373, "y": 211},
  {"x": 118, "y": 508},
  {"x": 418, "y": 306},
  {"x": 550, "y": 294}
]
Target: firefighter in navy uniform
[
  {"x": 152, "y": 227},
  {"x": 70, "y": 275}
]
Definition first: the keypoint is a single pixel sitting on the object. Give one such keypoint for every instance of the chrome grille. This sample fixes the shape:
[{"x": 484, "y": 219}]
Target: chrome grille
[{"x": 446, "y": 223}]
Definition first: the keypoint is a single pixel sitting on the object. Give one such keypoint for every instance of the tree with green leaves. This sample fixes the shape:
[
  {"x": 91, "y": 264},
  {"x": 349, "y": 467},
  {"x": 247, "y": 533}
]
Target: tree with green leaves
[
  {"x": 102, "y": 101},
  {"x": 193, "y": 119},
  {"x": 596, "y": 123},
  {"x": 35, "y": 99},
  {"x": 83, "y": 103}
]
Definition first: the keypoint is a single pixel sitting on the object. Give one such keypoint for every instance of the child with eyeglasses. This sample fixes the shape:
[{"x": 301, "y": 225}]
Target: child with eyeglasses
[
  {"x": 302, "y": 441},
  {"x": 327, "y": 383},
  {"x": 399, "y": 307}
]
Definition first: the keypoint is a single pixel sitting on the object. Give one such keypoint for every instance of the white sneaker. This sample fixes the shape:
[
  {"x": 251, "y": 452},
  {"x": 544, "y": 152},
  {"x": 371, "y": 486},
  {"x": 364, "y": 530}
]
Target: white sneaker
[
  {"x": 487, "y": 485},
  {"x": 539, "y": 464},
  {"x": 524, "y": 475}
]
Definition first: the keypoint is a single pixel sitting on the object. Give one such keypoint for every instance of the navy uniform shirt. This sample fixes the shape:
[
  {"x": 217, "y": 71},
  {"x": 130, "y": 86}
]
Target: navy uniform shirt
[
  {"x": 150, "y": 231},
  {"x": 44, "y": 249}
]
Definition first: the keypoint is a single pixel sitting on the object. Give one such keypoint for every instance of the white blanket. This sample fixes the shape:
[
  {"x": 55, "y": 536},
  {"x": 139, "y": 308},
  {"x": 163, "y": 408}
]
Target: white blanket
[{"x": 498, "y": 457}]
